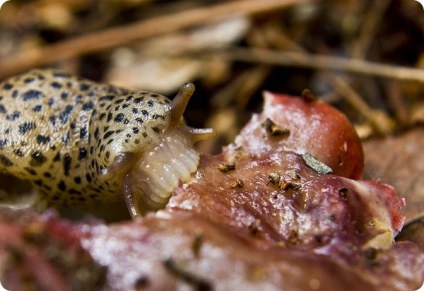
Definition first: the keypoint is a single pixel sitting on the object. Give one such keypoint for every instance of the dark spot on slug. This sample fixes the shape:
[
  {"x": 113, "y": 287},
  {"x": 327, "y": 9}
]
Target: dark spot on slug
[
  {"x": 37, "y": 159},
  {"x": 41, "y": 139},
  {"x": 150, "y": 103},
  {"x": 32, "y": 94},
  {"x": 138, "y": 100},
  {"x": 135, "y": 110},
  {"x": 64, "y": 95},
  {"x": 7, "y": 86},
  {"x": 119, "y": 117},
  {"x": 5, "y": 161},
  {"x": 156, "y": 129},
  {"x": 31, "y": 171},
  {"x": 51, "y": 102},
  {"x": 135, "y": 130},
  {"x": 139, "y": 120},
  {"x": 88, "y": 177},
  {"x": 67, "y": 161},
  {"x": 79, "y": 100},
  {"x": 56, "y": 85},
  {"x": 88, "y": 106},
  {"x": 119, "y": 101},
  {"x": 82, "y": 153},
  {"x": 61, "y": 185},
  {"x": 26, "y": 126},
  {"x": 96, "y": 133},
  {"x": 102, "y": 116},
  {"x": 2, "y": 109},
  {"x": 83, "y": 132},
  {"x": 15, "y": 115},
  {"x": 52, "y": 120},
  {"x": 64, "y": 115},
  {"x": 109, "y": 117},
  {"x": 106, "y": 98},
  {"x": 15, "y": 93},
  {"x": 28, "y": 80},
  {"x": 145, "y": 113},
  {"x": 77, "y": 180},
  {"x": 126, "y": 121},
  {"x": 108, "y": 134},
  {"x": 84, "y": 87},
  {"x": 37, "y": 108},
  {"x": 47, "y": 175}
]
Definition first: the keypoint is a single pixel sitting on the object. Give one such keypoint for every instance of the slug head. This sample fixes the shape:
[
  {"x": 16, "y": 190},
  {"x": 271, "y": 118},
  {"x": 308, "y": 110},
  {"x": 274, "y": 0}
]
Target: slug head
[{"x": 152, "y": 149}]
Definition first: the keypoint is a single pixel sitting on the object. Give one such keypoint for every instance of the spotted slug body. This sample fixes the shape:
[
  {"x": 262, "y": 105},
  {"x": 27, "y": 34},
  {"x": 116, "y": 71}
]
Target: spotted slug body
[{"x": 84, "y": 145}]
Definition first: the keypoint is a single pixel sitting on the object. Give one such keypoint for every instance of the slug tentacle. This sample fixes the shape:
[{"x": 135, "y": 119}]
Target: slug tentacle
[
  {"x": 179, "y": 103},
  {"x": 122, "y": 164},
  {"x": 198, "y": 134}
]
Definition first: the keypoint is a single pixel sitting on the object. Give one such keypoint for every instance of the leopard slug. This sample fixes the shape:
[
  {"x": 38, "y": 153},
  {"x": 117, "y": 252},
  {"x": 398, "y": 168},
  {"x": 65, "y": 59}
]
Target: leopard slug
[{"x": 83, "y": 145}]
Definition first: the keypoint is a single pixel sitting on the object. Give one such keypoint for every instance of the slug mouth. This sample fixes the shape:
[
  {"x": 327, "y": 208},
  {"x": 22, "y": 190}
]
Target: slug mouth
[{"x": 150, "y": 183}]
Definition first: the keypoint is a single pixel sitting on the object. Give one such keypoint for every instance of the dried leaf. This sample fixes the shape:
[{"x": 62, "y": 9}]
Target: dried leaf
[{"x": 399, "y": 161}]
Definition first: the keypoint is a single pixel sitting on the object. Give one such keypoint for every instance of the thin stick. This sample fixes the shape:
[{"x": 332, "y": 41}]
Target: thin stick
[
  {"x": 140, "y": 30},
  {"x": 300, "y": 59},
  {"x": 369, "y": 28}
]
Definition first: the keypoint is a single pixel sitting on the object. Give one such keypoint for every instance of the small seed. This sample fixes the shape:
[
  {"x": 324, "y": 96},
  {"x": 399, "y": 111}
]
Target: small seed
[
  {"x": 226, "y": 167},
  {"x": 238, "y": 183},
  {"x": 274, "y": 129}
]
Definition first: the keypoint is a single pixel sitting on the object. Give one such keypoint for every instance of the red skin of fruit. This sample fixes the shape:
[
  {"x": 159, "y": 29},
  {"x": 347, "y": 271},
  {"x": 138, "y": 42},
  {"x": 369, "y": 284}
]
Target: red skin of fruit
[{"x": 315, "y": 127}]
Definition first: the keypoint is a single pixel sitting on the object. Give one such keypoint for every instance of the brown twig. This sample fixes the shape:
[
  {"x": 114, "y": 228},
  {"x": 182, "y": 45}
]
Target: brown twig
[
  {"x": 300, "y": 59},
  {"x": 140, "y": 30}
]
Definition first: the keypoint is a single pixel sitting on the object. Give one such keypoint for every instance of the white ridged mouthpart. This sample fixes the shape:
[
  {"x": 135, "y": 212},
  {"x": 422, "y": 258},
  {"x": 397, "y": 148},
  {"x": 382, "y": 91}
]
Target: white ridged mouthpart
[{"x": 159, "y": 170}]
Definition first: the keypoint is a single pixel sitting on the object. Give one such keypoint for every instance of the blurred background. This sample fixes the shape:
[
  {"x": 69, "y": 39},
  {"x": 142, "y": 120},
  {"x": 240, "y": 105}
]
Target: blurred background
[{"x": 364, "y": 57}]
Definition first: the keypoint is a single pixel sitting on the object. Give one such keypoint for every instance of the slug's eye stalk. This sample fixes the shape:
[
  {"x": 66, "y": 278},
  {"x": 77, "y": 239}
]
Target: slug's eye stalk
[
  {"x": 178, "y": 106},
  {"x": 179, "y": 103}
]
